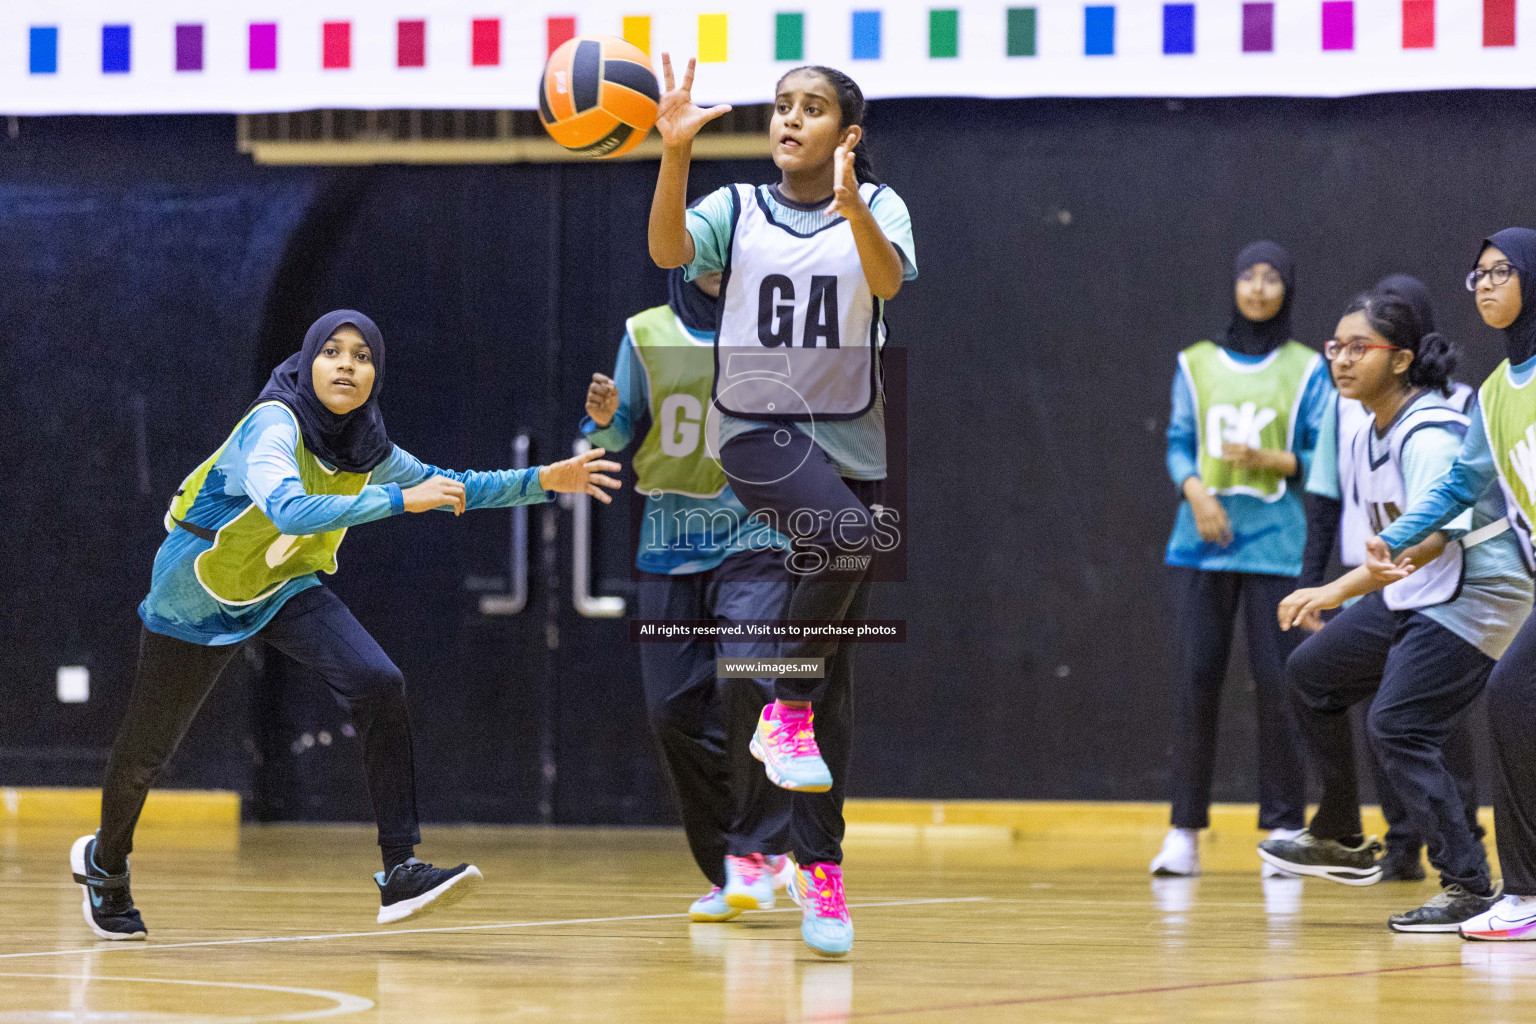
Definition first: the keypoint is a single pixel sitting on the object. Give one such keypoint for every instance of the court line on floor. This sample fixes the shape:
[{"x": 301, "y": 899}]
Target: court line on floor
[
  {"x": 129, "y": 947},
  {"x": 345, "y": 1002},
  {"x": 1067, "y": 997}
]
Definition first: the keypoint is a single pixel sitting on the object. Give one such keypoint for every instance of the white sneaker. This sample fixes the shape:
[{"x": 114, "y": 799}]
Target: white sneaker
[
  {"x": 1180, "y": 855},
  {"x": 1512, "y": 919},
  {"x": 1268, "y": 870}
]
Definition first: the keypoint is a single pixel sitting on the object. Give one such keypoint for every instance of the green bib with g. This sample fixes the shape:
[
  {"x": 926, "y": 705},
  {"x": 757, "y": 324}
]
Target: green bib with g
[
  {"x": 679, "y": 372},
  {"x": 1252, "y": 404},
  {"x": 1509, "y": 419},
  {"x": 250, "y": 557}
]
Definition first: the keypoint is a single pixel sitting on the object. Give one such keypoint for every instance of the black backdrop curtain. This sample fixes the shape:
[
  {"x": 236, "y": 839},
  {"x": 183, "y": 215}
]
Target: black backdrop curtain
[{"x": 1068, "y": 250}]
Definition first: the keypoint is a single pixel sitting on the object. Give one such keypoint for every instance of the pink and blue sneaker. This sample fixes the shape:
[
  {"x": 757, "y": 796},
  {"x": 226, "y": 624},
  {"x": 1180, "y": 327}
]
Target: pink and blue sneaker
[
  {"x": 825, "y": 924},
  {"x": 711, "y": 908},
  {"x": 786, "y": 744},
  {"x": 749, "y": 882}
]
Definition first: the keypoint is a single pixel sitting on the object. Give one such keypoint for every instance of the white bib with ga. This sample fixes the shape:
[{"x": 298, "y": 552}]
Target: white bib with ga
[
  {"x": 1354, "y": 523},
  {"x": 799, "y": 327},
  {"x": 1376, "y": 464}
]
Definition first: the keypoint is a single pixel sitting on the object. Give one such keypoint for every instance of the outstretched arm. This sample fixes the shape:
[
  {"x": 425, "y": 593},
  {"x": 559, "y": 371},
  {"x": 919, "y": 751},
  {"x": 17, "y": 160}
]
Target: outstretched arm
[
  {"x": 427, "y": 487},
  {"x": 678, "y": 120}
]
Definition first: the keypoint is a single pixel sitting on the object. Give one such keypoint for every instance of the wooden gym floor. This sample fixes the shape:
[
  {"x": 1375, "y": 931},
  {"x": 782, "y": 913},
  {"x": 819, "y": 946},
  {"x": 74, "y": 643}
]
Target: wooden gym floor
[{"x": 276, "y": 923}]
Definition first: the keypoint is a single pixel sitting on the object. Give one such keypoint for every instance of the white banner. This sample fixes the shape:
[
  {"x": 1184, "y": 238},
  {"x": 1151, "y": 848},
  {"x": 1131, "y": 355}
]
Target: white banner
[{"x": 157, "y": 56}]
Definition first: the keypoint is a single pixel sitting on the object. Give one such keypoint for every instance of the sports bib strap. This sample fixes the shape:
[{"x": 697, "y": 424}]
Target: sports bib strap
[{"x": 1485, "y": 533}]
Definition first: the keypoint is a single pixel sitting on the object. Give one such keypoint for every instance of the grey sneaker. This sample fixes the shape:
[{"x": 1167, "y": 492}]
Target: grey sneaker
[
  {"x": 1325, "y": 858},
  {"x": 1445, "y": 911}
]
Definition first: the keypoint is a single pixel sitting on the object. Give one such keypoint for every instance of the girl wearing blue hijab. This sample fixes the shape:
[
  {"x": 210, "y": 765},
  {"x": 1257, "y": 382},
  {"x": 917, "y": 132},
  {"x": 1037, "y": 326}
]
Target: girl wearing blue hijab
[
  {"x": 1497, "y": 451},
  {"x": 248, "y": 533}
]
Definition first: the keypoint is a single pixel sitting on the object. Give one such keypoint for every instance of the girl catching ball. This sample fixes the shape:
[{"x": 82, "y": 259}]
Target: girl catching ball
[{"x": 809, "y": 263}]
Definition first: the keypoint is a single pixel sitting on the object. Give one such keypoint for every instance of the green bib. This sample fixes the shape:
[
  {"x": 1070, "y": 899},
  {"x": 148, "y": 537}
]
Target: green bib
[
  {"x": 1255, "y": 405},
  {"x": 250, "y": 558},
  {"x": 1509, "y": 419},
  {"x": 679, "y": 373}
]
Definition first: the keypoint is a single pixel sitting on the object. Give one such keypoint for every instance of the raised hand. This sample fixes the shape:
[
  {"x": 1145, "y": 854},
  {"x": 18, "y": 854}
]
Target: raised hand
[
  {"x": 845, "y": 184},
  {"x": 602, "y": 399},
  {"x": 581, "y": 474},
  {"x": 435, "y": 492},
  {"x": 678, "y": 118}
]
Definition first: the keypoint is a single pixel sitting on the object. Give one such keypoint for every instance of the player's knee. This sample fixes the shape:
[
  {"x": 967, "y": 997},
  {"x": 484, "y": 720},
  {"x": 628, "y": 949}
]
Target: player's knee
[{"x": 1303, "y": 673}]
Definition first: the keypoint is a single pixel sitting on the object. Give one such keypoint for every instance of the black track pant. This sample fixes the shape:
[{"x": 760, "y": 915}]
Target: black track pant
[
  {"x": 313, "y": 628},
  {"x": 1512, "y": 721},
  {"x": 1420, "y": 679},
  {"x": 702, "y": 725},
  {"x": 1207, "y": 605},
  {"x": 795, "y": 485}
]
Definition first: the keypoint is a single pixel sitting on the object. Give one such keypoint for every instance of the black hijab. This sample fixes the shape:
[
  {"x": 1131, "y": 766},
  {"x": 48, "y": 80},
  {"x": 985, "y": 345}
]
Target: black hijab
[
  {"x": 1262, "y": 338},
  {"x": 1414, "y": 294},
  {"x": 696, "y": 309},
  {"x": 1519, "y": 246},
  {"x": 355, "y": 442}
]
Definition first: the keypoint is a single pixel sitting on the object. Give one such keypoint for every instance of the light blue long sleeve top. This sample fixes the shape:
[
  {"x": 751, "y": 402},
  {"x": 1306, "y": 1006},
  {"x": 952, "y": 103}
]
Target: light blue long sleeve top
[
  {"x": 260, "y": 467},
  {"x": 1267, "y": 536},
  {"x": 1464, "y": 483},
  {"x": 680, "y": 535}
]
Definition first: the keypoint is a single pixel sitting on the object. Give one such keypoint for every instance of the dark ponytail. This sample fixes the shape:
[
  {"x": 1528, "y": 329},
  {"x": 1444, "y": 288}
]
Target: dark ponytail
[
  {"x": 1434, "y": 355},
  {"x": 850, "y": 103}
]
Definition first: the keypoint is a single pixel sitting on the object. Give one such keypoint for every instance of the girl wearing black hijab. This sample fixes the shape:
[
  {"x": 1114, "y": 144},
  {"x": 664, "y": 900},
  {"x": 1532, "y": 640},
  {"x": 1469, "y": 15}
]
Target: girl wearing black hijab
[
  {"x": 249, "y": 531},
  {"x": 1500, "y": 447},
  {"x": 1244, "y": 423}
]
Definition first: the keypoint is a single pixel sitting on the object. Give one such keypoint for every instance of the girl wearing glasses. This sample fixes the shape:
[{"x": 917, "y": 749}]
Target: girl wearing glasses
[
  {"x": 1334, "y": 513},
  {"x": 1500, "y": 446},
  {"x": 1419, "y": 650},
  {"x": 1244, "y": 424}
]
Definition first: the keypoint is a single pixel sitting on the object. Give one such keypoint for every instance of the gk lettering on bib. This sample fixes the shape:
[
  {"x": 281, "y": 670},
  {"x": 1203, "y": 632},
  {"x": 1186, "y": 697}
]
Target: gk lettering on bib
[
  {"x": 799, "y": 327},
  {"x": 673, "y": 458},
  {"x": 1253, "y": 404}
]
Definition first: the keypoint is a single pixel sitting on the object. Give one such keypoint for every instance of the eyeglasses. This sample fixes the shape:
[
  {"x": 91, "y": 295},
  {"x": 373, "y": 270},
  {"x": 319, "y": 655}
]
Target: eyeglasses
[
  {"x": 1499, "y": 273},
  {"x": 1333, "y": 348}
]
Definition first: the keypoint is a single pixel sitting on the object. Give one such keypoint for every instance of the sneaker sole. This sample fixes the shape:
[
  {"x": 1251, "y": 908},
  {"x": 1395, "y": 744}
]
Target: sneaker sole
[
  {"x": 1427, "y": 929},
  {"x": 77, "y": 867},
  {"x": 1344, "y": 876},
  {"x": 445, "y": 895},
  {"x": 1498, "y": 937},
  {"x": 746, "y": 901},
  {"x": 698, "y": 918},
  {"x": 779, "y": 780}
]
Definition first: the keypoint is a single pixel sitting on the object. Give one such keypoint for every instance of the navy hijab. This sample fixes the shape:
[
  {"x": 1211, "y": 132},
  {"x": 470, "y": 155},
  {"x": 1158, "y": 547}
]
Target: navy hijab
[
  {"x": 1262, "y": 338},
  {"x": 1519, "y": 246},
  {"x": 355, "y": 442},
  {"x": 696, "y": 309},
  {"x": 1412, "y": 292}
]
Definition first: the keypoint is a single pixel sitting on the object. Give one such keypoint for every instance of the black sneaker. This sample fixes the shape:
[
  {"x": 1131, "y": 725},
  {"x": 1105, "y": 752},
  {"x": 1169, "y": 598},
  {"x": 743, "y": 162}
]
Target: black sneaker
[
  {"x": 1445, "y": 911},
  {"x": 1402, "y": 866},
  {"x": 108, "y": 906},
  {"x": 414, "y": 888},
  {"x": 1324, "y": 858}
]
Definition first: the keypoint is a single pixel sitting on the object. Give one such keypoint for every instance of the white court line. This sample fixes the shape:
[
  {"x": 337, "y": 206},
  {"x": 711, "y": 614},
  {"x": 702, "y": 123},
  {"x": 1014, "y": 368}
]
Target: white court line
[
  {"x": 345, "y": 1003},
  {"x": 134, "y": 946}
]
